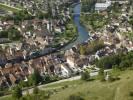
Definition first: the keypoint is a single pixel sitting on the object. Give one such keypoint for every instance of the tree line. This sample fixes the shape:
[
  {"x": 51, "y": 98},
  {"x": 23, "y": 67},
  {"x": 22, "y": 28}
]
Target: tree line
[
  {"x": 91, "y": 47},
  {"x": 121, "y": 61},
  {"x": 12, "y": 33}
]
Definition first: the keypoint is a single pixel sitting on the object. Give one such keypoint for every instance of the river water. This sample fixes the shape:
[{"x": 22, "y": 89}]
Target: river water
[
  {"x": 82, "y": 37},
  {"x": 82, "y": 32}
]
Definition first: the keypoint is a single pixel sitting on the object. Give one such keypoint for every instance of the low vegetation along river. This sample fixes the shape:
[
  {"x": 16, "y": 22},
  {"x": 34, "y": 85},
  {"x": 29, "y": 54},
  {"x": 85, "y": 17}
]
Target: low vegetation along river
[{"x": 82, "y": 32}]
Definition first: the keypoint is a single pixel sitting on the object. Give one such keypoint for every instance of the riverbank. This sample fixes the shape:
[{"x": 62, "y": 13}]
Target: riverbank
[
  {"x": 82, "y": 32},
  {"x": 81, "y": 36}
]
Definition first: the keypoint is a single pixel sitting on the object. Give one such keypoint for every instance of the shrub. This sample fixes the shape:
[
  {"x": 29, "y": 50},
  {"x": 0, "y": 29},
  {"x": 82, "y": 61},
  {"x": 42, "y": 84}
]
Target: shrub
[
  {"x": 111, "y": 79},
  {"x": 75, "y": 97},
  {"x": 131, "y": 93},
  {"x": 65, "y": 86},
  {"x": 85, "y": 76}
]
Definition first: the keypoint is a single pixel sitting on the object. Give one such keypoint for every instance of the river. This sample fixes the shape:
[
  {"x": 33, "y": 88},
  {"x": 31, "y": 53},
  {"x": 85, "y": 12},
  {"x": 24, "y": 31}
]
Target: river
[
  {"x": 82, "y": 32},
  {"x": 82, "y": 37}
]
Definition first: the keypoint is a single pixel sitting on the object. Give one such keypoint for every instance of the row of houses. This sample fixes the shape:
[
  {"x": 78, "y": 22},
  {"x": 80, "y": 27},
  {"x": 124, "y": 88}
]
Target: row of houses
[
  {"x": 37, "y": 35},
  {"x": 63, "y": 66},
  {"x": 101, "y": 6},
  {"x": 57, "y": 64}
]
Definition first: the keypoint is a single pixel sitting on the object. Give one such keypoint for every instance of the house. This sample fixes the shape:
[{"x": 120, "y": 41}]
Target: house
[
  {"x": 102, "y": 6},
  {"x": 3, "y": 81},
  {"x": 66, "y": 71},
  {"x": 11, "y": 74},
  {"x": 2, "y": 58},
  {"x": 38, "y": 63},
  {"x": 120, "y": 1}
]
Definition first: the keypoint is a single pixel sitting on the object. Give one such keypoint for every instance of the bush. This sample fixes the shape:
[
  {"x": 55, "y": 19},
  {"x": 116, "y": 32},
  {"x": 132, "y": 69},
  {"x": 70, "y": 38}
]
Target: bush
[
  {"x": 131, "y": 93},
  {"x": 85, "y": 76},
  {"x": 65, "y": 86},
  {"x": 23, "y": 98},
  {"x": 1, "y": 93},
  {"x": 75, "y": 97},
  {"x": 111, "y": 79},
  {"x": 23, "y": 84}
]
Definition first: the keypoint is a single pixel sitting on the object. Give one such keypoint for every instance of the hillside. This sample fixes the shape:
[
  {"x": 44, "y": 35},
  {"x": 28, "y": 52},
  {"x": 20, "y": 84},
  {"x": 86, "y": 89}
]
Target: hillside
[
  {"x": 92, "y": 90},
  {"x": 95, "y": 90}
]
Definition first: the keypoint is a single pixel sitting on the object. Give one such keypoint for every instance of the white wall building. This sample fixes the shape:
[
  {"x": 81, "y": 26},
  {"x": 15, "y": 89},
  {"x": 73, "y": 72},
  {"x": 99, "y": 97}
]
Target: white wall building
[
  {"x": 102, "y": 6},
  {"x": 120, "y": 1},
  {"x": 65, "y": 71}
]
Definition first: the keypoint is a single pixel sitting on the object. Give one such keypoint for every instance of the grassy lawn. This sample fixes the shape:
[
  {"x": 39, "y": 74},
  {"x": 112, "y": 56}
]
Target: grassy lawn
[
  {"x": 8, "y": 8},
  {"x": 5, "y": 98},
  {"x": 93, "y": 90},
  {"x": 69, "y": 83},
  {"x": 96, "y": 90}
]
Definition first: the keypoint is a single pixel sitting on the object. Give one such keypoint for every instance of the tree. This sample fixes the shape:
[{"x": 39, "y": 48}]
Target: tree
[
  {"x": 49, "y": 14},
  {"x": 85, "y": 76},
  {"x": 40, "y": 15},
  {"x": 124, "y": 64},
  {"x": 13, "y": 34},
  {"x": 35, "y": 78},
  {"x": 4, "y": 34},
  {"x": 22, "y": 83},
  {"x": 109, "y": 61},
  {"x": 17, "y": 93},
  {"x": 47, "y": 78},
  {"x": 91, "y": 47},
  {"x": 82, "y": 50}
]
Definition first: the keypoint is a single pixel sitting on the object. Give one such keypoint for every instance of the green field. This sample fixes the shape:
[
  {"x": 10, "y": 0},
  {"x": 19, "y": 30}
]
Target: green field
[
  {"x": 93, "y": 90},
  {"x": 96, "y": 90},
  {"x": 8, "y": 8}
]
